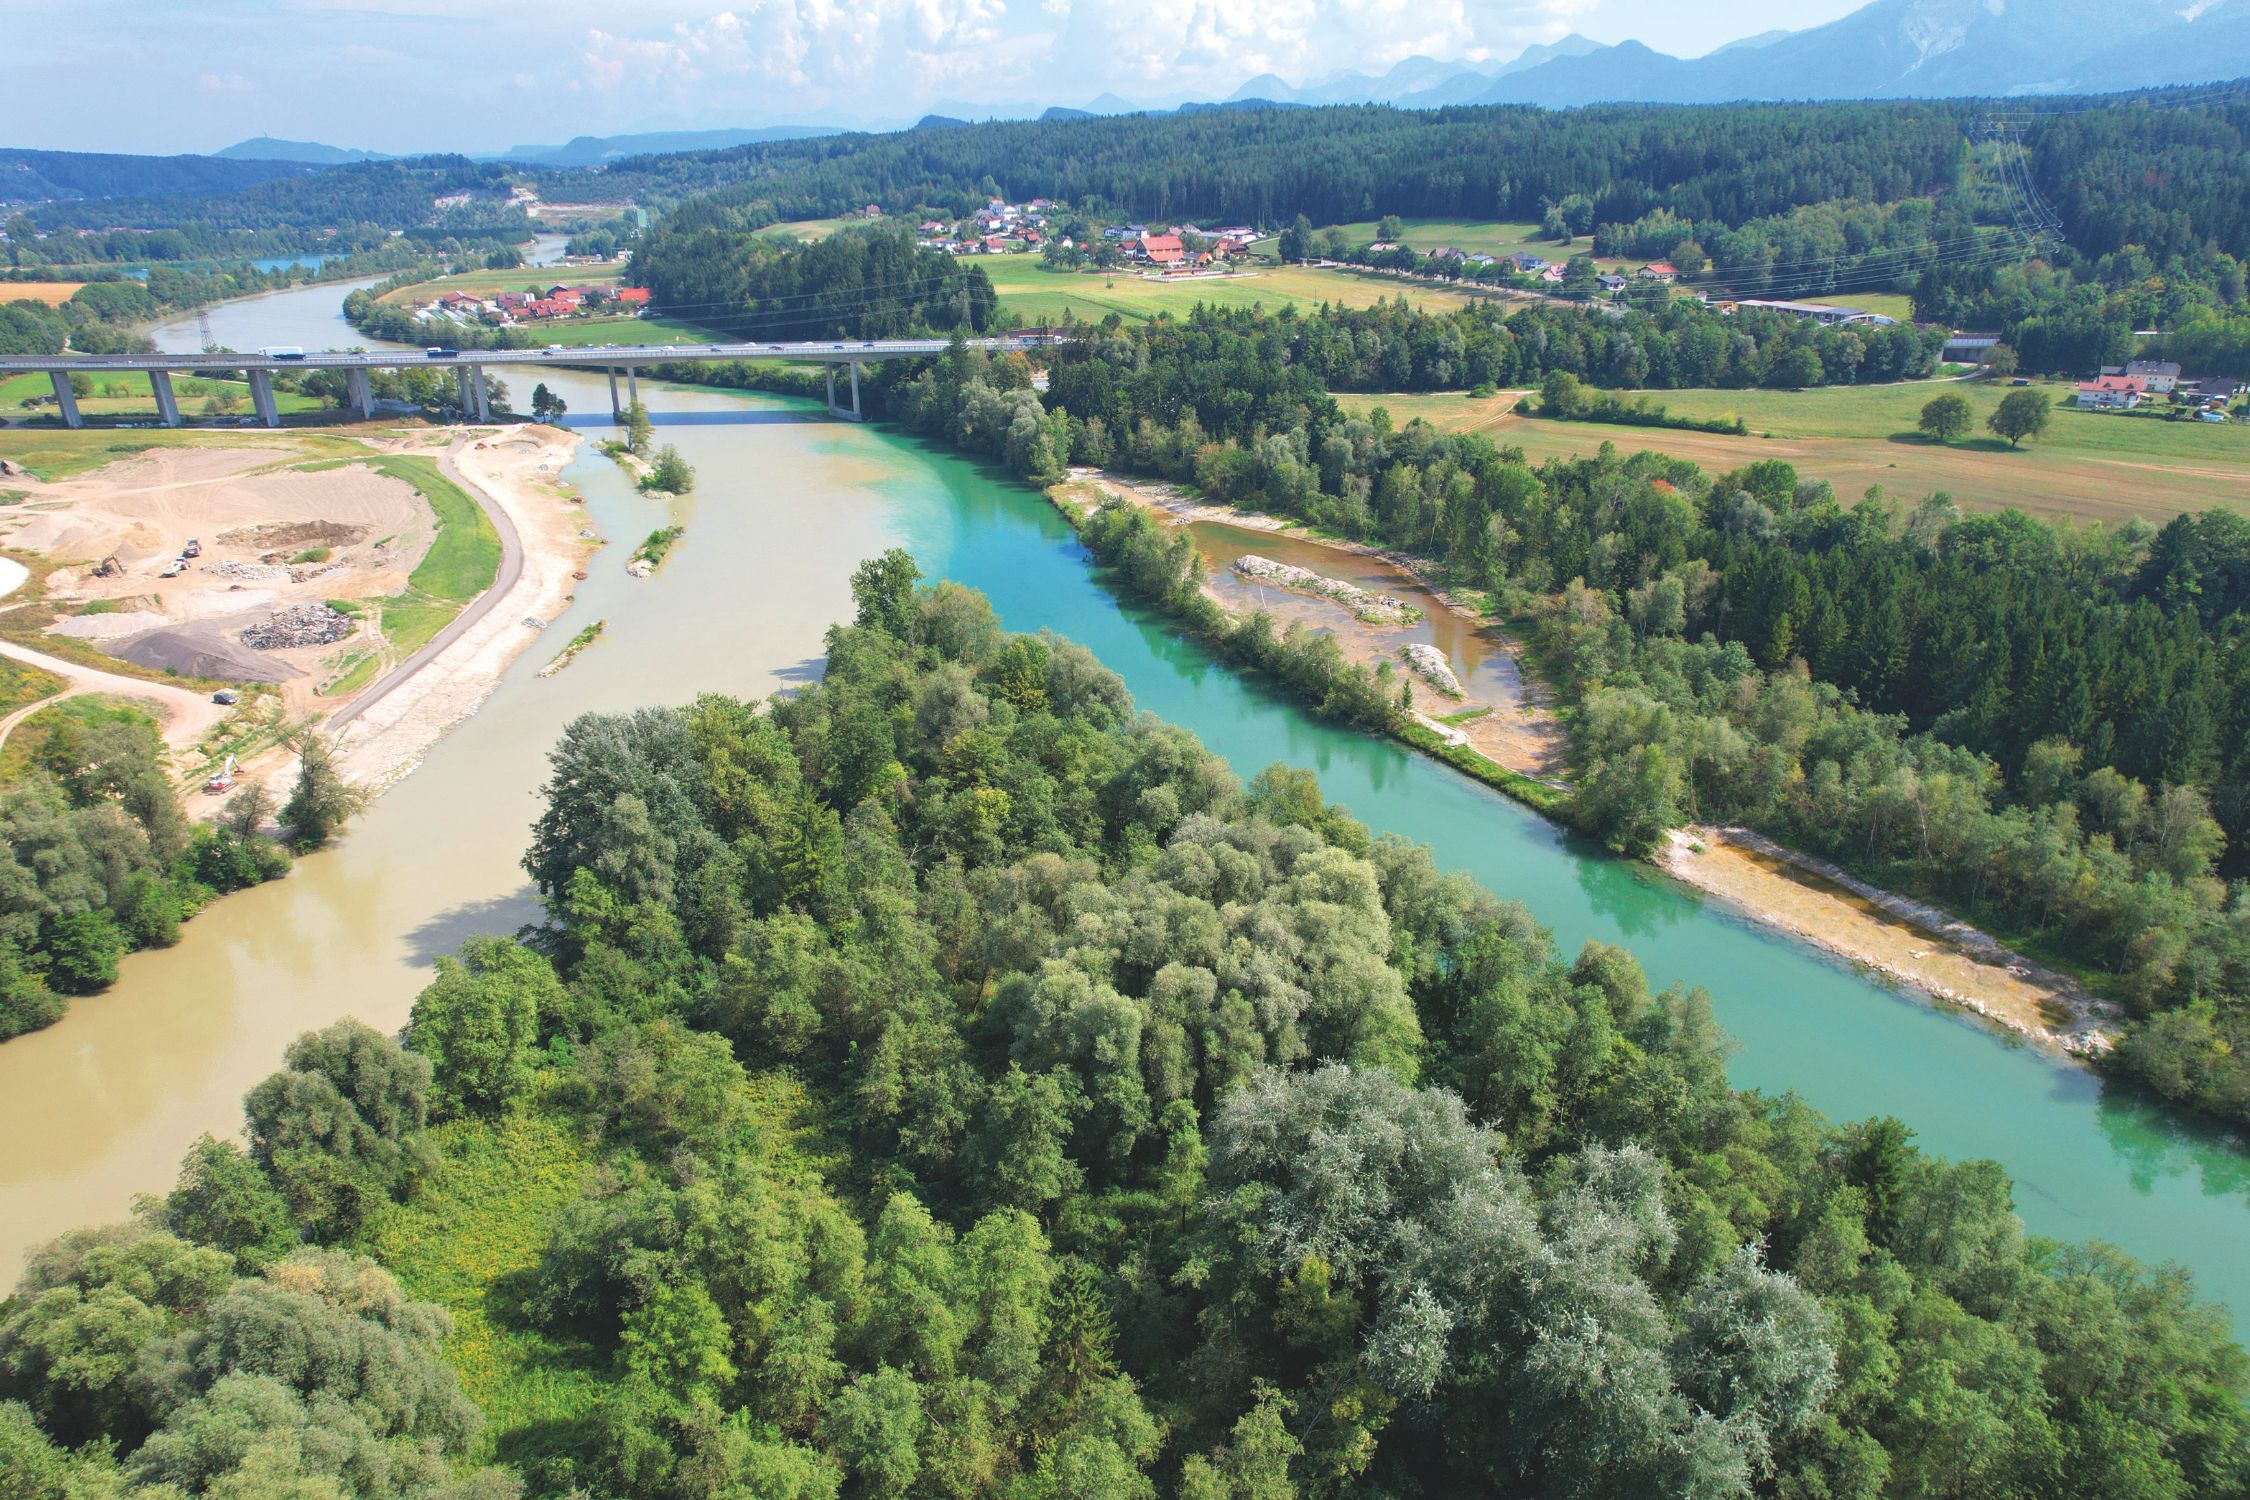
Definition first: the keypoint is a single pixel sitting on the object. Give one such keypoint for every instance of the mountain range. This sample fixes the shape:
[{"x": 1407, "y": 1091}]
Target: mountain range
[{"x": 1889, "y": 49}]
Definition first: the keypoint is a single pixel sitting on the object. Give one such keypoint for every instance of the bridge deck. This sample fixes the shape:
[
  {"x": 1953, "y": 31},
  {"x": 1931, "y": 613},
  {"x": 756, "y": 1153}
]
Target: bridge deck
[{"x": 599, "y": 356}]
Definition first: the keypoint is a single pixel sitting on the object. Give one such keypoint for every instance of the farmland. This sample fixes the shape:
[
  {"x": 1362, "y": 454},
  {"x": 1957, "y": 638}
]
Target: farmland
[
  {"x": 128, "y": 395},
  {"x": 52, "y": 293},
  {"x": 2088, "y": 466},
  {"x": 1038, "y": 294}
]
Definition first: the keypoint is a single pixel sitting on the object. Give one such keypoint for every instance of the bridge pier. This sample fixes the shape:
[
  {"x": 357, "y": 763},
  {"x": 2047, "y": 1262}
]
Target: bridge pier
[
  {"x": 632, "y": 383},
  {"x": 616, "y": 407},
  {"x": 65, "y": 399},
  {"x": 167, "y": 405},
  {"x": 359, "y": 393},
  {"x": 261, "y": 396},
  {"x": 483, "y": 396},
  {"x": 854, "y": 414}
]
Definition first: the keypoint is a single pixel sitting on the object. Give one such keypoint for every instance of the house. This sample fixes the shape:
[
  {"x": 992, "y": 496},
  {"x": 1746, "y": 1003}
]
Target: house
[
  {"x": 995, "y": 244},
  {"x": 1382, "y": 247},
  {"x": 460, "y": 302},
  {"x": 2111, "y": 392},
  {"x": 1552, "y": 275},
  {"x": 2161, "y": 374},
  {"x": 1529, "y": 265},
  {"x": 1480, "y": 260},
  {"x": 933, "y": 226},
  {"x": 511, "y": 301},
  {"x": 1163, "y": 249},
  {"x": 1611, "y": 281},
  {"x": 871, "y": 212},
  {"x": 1661, "y": 270},
  {"x": 635, "y": 297}
]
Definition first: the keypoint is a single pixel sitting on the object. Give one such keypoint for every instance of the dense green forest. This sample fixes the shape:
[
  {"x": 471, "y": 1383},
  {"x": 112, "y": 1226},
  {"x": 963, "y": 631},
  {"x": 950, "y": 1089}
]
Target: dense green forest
[
  {"x": 387, "y": 194},
  {"x": 27, "y": 176},
  {"x": 944, "y": 1082},
  {"x": 705, "y": 265},
  {"x": 97, "y": 859}
]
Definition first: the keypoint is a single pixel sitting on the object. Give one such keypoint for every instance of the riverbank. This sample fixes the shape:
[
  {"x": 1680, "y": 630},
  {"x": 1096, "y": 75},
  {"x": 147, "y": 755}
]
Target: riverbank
[
  {"x": 1501, "y": 714},
  {"x": 1509, "y": 723}
]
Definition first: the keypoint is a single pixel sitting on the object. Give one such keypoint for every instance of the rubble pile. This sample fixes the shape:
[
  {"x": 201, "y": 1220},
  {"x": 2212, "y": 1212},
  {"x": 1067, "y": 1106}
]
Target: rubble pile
[
  {"x": 249, "y": 572},
  {"x": 1432, "y": 664},
  {"x": 1376, "y": 609},
  {"x": 305, "y": 625}
]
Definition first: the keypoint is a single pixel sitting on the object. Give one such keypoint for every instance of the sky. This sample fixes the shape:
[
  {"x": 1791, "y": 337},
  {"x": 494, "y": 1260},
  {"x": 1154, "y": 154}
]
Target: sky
[{"x": 483, "y": 75}]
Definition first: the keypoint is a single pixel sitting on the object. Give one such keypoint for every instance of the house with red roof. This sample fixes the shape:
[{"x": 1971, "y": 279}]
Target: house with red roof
[
  {"x": 2112, "y": 392},
  {"x": 1163, "y": 249},
  {"x": 1661, "y": 270}
]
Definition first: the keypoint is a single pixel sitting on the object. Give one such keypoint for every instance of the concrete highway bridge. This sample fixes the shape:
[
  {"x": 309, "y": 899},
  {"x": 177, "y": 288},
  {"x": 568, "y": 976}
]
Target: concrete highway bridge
[{"x": 469, "y": 365}]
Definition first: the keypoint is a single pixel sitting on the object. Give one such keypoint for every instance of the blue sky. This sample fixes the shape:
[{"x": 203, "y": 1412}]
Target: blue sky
[{"x": 412, "y": 75}]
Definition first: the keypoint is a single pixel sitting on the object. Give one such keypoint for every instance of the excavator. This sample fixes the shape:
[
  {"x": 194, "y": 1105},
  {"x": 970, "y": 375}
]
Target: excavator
[{"x": 224, "y": 781}]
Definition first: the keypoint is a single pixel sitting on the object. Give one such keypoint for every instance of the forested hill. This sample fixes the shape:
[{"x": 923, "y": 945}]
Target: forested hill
[
  {"x": 946, "y": 1083},
  {"x": 395, "y": 194},
  {"x": 40, "y": 176}
]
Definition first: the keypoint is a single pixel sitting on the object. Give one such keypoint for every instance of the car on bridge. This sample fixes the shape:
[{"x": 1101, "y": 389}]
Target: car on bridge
[{"x": 434, "y": 352}]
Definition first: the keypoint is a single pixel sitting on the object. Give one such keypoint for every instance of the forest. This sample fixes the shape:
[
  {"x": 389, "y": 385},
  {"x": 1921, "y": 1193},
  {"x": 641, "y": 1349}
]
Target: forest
[
  {"x": 97, "y": 858},
  {"x": 946, "y": 1082}
]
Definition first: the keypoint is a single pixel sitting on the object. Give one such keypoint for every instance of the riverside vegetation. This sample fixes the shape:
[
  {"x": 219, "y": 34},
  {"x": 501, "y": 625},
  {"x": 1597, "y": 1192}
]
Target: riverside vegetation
[
  {"x": 944, "y": 1082},
  {"x": 2046, "y": 730}
]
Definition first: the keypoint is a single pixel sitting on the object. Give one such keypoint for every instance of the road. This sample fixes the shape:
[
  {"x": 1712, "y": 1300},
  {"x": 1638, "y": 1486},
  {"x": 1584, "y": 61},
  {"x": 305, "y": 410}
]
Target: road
[
  {"x": 511, "y": 569},
  {"x": 190, "y": 715}
]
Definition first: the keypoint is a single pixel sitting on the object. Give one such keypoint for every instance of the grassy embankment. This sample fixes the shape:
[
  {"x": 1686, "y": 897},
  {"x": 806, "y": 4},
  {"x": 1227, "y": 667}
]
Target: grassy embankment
[
  {"x": 22, "y": 685},
  {"x": 2088, "y": 465},
  {"x": 87, "y": 711},
  {"x": 463, "y": 560}
]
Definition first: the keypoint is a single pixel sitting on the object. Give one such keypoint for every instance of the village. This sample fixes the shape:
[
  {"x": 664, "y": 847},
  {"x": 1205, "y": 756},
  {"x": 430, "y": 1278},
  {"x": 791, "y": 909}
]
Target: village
[{"x": 536, "y": 304}]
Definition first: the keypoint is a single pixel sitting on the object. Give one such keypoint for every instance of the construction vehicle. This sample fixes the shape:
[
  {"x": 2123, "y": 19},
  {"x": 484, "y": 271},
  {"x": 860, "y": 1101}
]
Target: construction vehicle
[
  {"x": 194, "y": 548},
  {"x": 223, "y": 782}
]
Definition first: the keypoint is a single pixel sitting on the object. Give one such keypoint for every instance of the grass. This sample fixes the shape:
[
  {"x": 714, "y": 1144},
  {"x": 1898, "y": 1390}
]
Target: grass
[
  {"x": 469, "y": 1241},
  {"x": 808, "y": 230},
  {"x": 22, "y": 685},
  {"x": 129, "y": 395},
  {"x": 576, "y": 644},
  {"x": 659, "y": 545},
  {"x": 2088, "y": 466},
  {"x": 1028, "y": 287}
]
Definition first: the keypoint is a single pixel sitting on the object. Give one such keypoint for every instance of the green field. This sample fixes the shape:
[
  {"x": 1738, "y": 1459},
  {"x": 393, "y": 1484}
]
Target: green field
[
  {"x": 128, "y": 396},
  {"x": 807, "y": 230},
  {"x": 22, "y": 685},
  {"x": 2088, "y": 466},
  {"x": 1038, "y": 294}
]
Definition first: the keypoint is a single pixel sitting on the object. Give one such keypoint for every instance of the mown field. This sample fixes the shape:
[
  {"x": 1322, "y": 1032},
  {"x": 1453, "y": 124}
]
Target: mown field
[
  {"x": 808, "y": 230},
  {"x": 521, "y": 279},
  {"x": 52, "y": 293},
  {"x": 1029, "y": 288},
  {"x": 2088, "y": 466},
  {"x": 463, "y": 559}
]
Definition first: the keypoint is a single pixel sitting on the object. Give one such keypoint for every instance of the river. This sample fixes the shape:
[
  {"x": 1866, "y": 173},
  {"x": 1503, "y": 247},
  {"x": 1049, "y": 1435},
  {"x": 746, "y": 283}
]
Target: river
[{"x": 104, "y": 1104}]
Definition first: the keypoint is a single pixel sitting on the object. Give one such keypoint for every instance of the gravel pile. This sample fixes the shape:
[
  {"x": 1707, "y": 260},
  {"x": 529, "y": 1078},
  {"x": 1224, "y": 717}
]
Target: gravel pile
[
  {"x": 249, "y": 572},
  {"x": 1432, "y": 664},
  {"x": 1377, "y": 609},
  {"x": 305, "y": 625}
]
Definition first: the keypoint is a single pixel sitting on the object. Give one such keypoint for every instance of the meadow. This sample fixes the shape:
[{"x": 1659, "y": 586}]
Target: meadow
[
  {"x": 1037, "y": 293},
  {"x": 2087, "y": 466}
]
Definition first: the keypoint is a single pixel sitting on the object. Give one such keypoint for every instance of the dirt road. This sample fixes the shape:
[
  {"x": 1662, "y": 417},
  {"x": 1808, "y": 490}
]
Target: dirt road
[{"x": 187, "y": 716}]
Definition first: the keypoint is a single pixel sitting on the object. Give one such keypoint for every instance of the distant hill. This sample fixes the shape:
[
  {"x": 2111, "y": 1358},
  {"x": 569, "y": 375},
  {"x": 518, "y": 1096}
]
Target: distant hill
[
  {"x": 52, "y": 176},
  {"x": 1889, "y": 49},
  {"x": 939, "y": 122},
  {"x": 599, "y": 150},
  {"x": 1063, "y": 112},
  {"x": 273, "y": 148}
]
